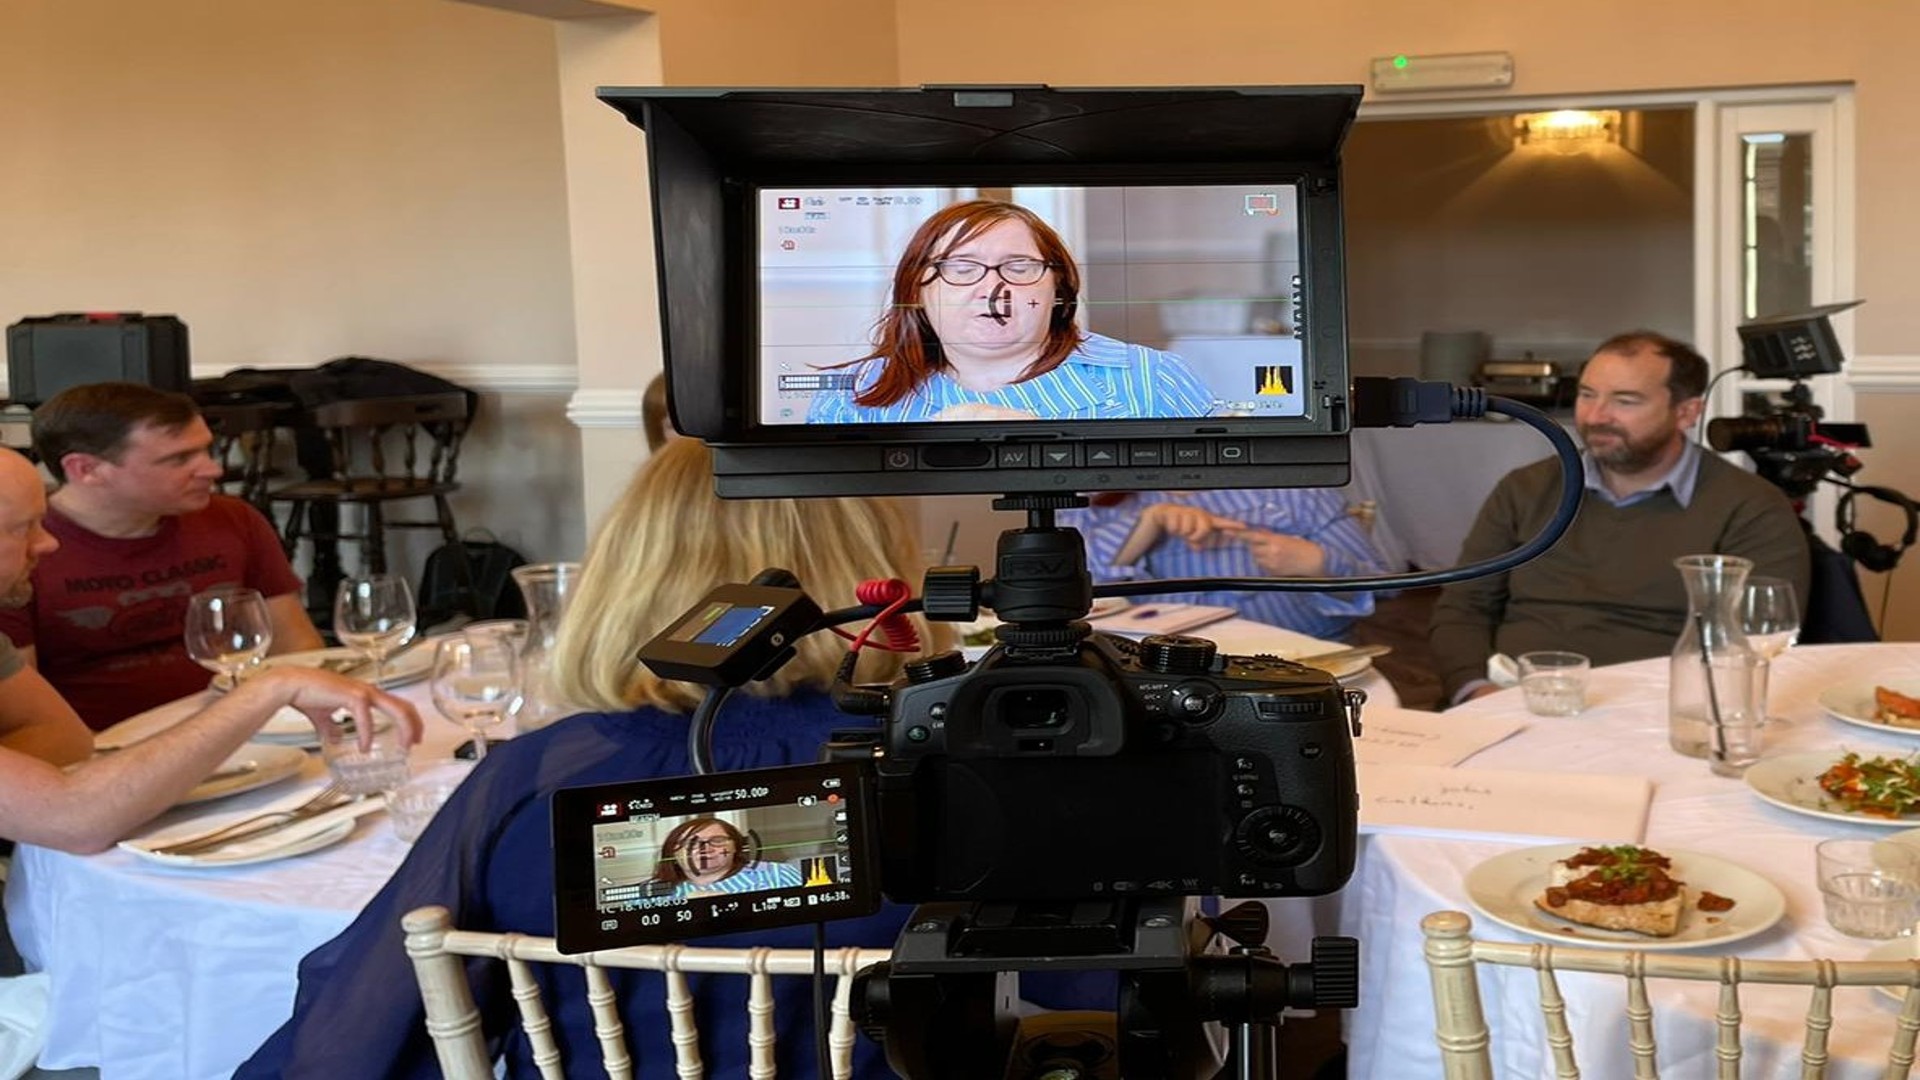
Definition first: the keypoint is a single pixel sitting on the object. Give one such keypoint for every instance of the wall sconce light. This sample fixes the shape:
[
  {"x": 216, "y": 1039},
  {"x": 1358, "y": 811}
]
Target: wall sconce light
[{"x": 1567, "y": 129}]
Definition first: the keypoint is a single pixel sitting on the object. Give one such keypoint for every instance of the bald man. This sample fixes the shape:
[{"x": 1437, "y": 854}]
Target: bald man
[{"x": 101, "y": 800}]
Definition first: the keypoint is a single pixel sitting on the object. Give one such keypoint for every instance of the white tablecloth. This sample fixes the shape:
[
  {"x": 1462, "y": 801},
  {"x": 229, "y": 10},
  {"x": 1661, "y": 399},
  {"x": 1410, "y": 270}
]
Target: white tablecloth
[
  {"x": 176, "y": 974},
  {"x": 1402, "y": 878}
]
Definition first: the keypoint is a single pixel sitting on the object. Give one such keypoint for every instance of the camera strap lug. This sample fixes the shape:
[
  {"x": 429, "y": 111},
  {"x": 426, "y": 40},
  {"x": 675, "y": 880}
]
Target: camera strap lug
[{"x": 1355, "y": 698}]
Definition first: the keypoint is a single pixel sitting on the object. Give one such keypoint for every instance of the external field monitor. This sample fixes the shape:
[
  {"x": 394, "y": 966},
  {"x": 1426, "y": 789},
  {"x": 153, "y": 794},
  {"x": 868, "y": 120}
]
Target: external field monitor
[{"x": 1000, "y": 290}]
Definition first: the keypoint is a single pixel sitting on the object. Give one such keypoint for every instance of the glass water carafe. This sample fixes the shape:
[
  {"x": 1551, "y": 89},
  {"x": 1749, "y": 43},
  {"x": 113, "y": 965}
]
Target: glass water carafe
[
  {"x": 547, "y": 587},
  {"x": 1712, "y": 701}
]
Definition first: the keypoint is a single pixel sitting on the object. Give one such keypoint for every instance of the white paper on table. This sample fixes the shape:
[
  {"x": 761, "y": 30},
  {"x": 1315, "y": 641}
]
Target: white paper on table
[
  {"x": 1148, "y": 617},
  {"x": 1437, "y": 800},
  {"x": 1391, "y": 736}
]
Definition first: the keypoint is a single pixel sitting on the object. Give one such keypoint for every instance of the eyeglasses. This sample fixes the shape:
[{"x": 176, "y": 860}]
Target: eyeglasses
[
  {"x": 702, "y": 843},
  {"x": 1020, "y": 270}
]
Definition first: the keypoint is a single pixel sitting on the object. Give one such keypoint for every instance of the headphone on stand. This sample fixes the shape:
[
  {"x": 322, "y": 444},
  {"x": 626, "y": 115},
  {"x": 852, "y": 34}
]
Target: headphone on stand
[{"x": 1862, "y": 546}]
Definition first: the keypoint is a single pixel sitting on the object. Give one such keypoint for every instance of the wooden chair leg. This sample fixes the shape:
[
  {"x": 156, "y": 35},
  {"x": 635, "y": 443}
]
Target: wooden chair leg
[
  {"x": 462, "y": 564},
  {"x": 376, "y": 539},
  {"x": 453, "y": 1020},
  {"x": 1459, "y": 1024}
]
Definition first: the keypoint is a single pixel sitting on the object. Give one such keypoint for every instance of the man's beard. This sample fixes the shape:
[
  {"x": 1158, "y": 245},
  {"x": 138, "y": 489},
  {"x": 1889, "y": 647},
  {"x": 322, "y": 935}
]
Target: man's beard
[
  {"x": 19, "y": 595},
  {"x": 1626, "y": 456}
]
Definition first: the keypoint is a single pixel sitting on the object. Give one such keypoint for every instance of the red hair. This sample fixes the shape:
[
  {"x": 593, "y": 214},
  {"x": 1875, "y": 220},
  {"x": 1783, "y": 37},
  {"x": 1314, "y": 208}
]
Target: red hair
[
  {"x": 668, "y": 869},
  {"x": 904, "y": 337}
]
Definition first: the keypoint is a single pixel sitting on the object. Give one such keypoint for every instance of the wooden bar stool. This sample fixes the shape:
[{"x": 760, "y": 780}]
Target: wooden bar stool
[{"x": 383, "y": 451}]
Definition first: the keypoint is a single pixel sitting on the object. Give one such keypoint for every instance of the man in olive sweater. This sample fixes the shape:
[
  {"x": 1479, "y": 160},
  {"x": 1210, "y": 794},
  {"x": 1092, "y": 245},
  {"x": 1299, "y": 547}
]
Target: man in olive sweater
[{"x": 1609, "y": 588}]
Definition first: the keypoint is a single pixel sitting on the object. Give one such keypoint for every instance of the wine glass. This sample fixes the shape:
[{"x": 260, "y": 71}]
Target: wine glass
[
  {"x": 228, "y": 630},
  {"x": 375, "y": 616},
  {"x": 475, "y": 680},
  {"x": 1770, "y": 617}
]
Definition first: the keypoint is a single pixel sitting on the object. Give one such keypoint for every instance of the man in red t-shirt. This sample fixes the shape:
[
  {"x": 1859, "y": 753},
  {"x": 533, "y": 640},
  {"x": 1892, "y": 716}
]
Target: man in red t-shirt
[
  {"x": 51, "y": 792},
  {"x": 140, "y": 530}
]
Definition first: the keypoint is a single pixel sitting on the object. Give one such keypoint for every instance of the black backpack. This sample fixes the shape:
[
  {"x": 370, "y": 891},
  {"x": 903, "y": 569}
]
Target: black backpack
[{"x": 495, "y": 596}]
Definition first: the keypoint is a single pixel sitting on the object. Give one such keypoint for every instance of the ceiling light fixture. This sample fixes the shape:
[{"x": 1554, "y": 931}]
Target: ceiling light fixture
[{"x": 1567, "y": 128}]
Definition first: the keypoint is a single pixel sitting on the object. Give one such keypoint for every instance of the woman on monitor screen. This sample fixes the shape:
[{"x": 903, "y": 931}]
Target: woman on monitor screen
[
  {"x": 705, "y": 856},
  {"x": 981, "y": 327}
]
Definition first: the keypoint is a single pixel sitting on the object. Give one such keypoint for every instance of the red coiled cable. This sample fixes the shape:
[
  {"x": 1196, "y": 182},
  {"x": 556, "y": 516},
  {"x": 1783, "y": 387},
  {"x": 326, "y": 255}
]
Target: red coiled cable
[{"x": 892, "y": 594}]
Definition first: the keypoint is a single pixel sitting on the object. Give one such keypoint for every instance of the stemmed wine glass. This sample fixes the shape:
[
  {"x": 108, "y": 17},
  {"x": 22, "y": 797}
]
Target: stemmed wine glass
[
  {"x": 375, "y": 616},
  {"x": 475, "y": 680},
  {"x": 228, "y": 630},
  {"x": 1770, "y": 617}
]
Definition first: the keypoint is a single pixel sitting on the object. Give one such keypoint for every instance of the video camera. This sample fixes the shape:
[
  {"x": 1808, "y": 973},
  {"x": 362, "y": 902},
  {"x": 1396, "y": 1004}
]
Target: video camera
[
  {"x": 1061, "y": 801},
  {"x": 1790, "y": 446}
]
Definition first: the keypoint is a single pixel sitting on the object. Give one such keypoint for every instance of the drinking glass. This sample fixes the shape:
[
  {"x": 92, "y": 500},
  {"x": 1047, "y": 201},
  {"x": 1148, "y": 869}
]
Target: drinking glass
[
  {"x": 1770, "y": 616},
  {"x": 228, "y": 630},
  {"x": 374, "y": 616},
  {"x": 380, "y": 766},
  {"x": 475, "y": 679}
]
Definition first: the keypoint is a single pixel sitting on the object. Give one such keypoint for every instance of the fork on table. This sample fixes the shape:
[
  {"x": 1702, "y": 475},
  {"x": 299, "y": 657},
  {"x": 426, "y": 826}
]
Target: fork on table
[{"x": 327, "y": 798}]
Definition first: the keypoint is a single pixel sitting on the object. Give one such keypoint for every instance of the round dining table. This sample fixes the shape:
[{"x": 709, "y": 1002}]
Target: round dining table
[
  {"x": 181, "y": 972},
  {"x": 1623, "y": 731}
]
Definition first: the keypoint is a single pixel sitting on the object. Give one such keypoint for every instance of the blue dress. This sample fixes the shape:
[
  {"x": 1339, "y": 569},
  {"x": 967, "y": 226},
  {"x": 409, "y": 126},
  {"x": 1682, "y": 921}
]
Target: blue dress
[{"x": 488, "y": 858}]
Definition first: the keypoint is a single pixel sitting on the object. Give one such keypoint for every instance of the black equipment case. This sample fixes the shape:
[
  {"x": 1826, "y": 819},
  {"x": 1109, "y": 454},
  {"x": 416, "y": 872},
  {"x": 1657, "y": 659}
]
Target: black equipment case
[{"x": 47, "y": 354}]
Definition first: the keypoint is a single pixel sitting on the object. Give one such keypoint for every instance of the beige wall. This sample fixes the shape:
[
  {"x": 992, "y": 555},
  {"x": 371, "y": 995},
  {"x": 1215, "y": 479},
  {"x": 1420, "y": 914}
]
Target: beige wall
[
  {"x": 1557, "y": 49},
  {"x": 1451, "y": 227},
  {"x": 847, "y": 43},
  {"x": 301, "y": 181}
]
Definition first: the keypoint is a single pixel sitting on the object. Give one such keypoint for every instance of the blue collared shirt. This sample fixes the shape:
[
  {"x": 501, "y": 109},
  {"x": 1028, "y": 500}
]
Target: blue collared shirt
[
  {"x": 1317, "y": 514},
  {"x": 1680, "y": 479},
  {"x": 1104, "y": 379}
]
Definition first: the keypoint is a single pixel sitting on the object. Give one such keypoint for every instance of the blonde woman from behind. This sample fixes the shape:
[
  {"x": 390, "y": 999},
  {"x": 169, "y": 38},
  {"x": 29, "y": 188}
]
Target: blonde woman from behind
[{"x": 487, "y": 855}]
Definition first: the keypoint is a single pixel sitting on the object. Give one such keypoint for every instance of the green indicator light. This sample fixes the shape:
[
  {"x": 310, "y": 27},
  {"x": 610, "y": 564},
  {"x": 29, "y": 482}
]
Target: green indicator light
[{"x": 1400, "y": 62}]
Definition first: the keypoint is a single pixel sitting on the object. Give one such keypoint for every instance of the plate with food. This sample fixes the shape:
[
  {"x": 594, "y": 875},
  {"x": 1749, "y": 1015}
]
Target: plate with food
[
  {"x": 1865, "y": 789},
  {"x": 1624, "y": 896},
  {"x": 1881, "y": 704}
]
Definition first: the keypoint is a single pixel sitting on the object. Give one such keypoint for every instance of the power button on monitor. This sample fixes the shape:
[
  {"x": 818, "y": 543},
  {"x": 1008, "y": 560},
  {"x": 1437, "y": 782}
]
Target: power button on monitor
[{"x": 894, "y": 458}]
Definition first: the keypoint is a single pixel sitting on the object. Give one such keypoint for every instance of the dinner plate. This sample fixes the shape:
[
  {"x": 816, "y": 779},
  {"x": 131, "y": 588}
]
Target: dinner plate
[
  {"x": 402, "y": 669},
  {"x": 1852, "y": 702},
  {"x": 289, "y": 726},
  {"x": 1792, "y": 782},
  {"x": 1900, "y": 948},
  {"x": 253, "y": 766},
  {"x": 315, "y": 833},
  {"x": 1503, "y": 889}
]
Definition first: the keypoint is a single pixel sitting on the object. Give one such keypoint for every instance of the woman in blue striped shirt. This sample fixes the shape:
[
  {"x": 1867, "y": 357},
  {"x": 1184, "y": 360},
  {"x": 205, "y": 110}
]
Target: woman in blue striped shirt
[
  {"x": 981, "y": 327},
  {"x": 1283, "y": 532},
  {"x": 706, "y": 855}
]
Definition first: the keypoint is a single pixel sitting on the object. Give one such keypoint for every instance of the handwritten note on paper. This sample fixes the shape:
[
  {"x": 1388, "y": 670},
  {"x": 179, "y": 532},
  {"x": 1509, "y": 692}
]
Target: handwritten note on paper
[
  {"x": 1501, "y": 802},
  {"x": 1405, "y": 737}
]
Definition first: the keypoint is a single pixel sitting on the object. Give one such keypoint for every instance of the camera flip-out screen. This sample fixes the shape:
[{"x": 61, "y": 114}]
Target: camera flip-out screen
[{"x": 667, "y": 860}]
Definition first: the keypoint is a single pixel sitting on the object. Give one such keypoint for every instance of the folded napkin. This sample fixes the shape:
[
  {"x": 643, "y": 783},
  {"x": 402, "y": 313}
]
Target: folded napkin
[
  {"x": 252, "y": 848},
  {"x": 1502, "y": 671}
]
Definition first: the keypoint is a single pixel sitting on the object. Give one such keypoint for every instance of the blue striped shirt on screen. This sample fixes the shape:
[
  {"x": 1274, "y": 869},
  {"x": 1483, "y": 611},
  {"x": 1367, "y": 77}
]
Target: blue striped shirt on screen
[
  {"x": 1104, "y": 379},
  {"x": 1316, "y": 514}
]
